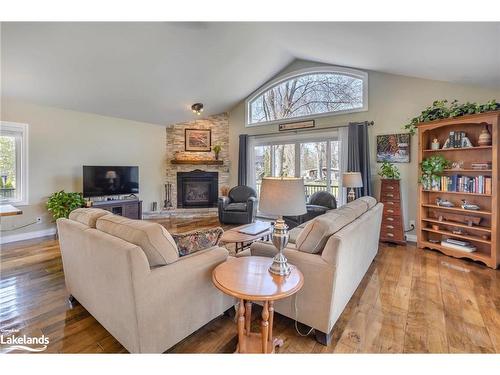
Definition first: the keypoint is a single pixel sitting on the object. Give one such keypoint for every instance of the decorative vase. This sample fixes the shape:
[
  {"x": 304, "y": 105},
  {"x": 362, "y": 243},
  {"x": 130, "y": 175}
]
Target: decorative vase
[
  {"x": 484, "y": 137},
  {"x": 435, "y": 144}
]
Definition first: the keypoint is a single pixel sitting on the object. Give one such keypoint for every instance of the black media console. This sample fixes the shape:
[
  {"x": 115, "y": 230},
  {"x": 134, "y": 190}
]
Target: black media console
[{"x": 131, "y": 208}]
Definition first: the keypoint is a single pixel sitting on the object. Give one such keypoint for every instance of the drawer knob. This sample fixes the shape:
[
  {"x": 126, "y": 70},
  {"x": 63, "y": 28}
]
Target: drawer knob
[
  {"x": 391, "y": 203},
  {"x": 389, "y": 195},
  {"x": 390, "y": 187},
  {"x": 389, "y": 226},
  {"x": 390, "y": 211},
  {"x": 390, "y": 219},
  {"x": 390, "y": 235}
]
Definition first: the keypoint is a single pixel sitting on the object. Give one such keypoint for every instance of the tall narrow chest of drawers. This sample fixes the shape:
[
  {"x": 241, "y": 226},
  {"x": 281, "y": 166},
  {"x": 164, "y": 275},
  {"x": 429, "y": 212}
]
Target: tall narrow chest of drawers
[{"x": 392, "y": 229}]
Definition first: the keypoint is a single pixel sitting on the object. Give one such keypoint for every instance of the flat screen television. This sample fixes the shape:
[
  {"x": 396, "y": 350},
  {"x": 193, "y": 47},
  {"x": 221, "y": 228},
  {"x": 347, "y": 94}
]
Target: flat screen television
[{"x": 106, "y": 180}]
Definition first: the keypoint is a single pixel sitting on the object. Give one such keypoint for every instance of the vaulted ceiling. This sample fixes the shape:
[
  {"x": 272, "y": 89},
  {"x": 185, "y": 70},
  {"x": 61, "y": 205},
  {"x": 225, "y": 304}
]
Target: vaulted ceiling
[{"x": 153, "y": 72}]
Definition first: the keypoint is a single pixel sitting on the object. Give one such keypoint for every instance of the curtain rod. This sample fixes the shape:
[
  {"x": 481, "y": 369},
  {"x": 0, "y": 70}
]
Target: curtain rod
[{"x": 283, "y": 132}]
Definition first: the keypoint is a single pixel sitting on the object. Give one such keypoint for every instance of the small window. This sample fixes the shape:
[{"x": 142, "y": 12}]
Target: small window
[
  {"x": 13, "y": 163},
  {"x": 307, "y": 94}
]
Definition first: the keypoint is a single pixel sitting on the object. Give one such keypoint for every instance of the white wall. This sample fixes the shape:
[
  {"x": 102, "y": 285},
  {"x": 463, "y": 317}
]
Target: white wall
[
  {"x": 393, "y": 100},
  {"x": 61, "y": 141}
]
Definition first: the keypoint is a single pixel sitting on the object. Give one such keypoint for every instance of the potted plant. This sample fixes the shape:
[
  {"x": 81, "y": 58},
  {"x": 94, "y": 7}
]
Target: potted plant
[
  {"x": 432, "y": 168},
  {"x": 389, "y": 171},
  {"x": 441, "y": 110},
  {"x": 217, "y": 149},
  {"x": 60, "y": 204}
]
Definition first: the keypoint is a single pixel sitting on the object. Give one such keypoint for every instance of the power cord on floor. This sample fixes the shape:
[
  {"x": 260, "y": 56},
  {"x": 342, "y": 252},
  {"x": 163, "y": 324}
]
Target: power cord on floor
[{"x": 296, "y": 316}]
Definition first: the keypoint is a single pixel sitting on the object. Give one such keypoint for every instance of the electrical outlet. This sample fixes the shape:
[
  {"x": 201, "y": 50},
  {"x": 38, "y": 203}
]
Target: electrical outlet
[
  {"x": 38, "y": 219},
  {"x": 412, "y": 223}
]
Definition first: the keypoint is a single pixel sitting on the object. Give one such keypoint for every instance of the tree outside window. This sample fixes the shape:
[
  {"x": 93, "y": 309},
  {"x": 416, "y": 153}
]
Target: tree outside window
[{"x": 307, "y": 95}]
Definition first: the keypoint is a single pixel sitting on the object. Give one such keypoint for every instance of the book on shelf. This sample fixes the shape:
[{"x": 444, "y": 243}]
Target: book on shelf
[
  {"x": 481, "y": 165},
  {"x": 464, "y": 184},
  {"x": 458, "y": 245}
]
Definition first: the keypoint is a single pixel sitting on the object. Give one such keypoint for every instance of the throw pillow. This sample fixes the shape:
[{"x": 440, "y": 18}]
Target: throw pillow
[{"x": 189, "y": 243}]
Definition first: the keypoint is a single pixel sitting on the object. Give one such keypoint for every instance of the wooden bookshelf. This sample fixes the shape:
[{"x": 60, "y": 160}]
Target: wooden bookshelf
[{"x": 486, "y": 235}]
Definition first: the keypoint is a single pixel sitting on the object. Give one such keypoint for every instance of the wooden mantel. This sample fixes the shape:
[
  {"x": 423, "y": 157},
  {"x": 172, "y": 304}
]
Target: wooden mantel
[{"x": 198, "y": 162}]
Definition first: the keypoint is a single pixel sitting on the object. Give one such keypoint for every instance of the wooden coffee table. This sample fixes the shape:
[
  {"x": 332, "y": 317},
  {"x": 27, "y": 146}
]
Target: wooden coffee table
[
  {"x": 242, "y": 240},
  {"x": 249, "y": 279}
]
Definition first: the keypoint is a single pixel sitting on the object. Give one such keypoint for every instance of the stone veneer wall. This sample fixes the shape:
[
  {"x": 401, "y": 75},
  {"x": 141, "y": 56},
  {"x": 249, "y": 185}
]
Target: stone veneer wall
[{"x": 219, "y": 124}]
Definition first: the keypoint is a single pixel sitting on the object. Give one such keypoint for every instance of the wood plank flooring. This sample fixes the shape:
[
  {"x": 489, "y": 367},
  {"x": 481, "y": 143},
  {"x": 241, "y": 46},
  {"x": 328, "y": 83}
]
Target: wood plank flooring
[{"x": 410, "y": 301}]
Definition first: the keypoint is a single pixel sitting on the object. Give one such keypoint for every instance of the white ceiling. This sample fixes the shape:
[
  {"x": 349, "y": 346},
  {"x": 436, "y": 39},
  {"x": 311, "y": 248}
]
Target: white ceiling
[{"x": 153, "y": 72}]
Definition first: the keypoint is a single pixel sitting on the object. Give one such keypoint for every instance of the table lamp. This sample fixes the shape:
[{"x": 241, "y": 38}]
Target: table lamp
[
  {"x": 352, "y": 180},
  {"x": 281, "y": 196}
]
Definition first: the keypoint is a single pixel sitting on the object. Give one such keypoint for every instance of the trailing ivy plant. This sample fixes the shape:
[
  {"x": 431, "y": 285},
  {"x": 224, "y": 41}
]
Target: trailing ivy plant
[
  {"x": 389, "y": 171},
  {"x": 60, "y": 204},
  {"x": 440, "y": 110},
  {"x": 432, "y": 169}
]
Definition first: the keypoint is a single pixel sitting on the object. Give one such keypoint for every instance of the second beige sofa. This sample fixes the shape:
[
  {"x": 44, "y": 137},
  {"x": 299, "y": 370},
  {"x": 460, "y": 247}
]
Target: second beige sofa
[{"x": 333, "y": 251}]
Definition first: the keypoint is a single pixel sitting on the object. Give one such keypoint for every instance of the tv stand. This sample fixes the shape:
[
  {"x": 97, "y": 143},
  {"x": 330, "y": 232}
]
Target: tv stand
[{"x": 130, "y": 208}]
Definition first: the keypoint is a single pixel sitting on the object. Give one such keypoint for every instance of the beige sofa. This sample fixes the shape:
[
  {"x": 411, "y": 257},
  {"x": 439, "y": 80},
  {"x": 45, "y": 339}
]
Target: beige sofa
[
  {"x": 333, "y": 251},
  {"x": 129, "y": 276}
]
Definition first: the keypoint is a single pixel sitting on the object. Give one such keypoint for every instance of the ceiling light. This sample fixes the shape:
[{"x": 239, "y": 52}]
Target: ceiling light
[{"x": 197, "y": 108}]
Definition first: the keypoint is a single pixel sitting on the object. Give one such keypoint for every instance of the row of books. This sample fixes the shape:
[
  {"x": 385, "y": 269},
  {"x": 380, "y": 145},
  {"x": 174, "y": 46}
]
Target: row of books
[{"x": 465, "y": 184}]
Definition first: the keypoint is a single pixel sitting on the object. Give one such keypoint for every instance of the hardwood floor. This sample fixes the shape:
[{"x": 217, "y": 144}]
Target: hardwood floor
[{"x": 410, "y": 301}]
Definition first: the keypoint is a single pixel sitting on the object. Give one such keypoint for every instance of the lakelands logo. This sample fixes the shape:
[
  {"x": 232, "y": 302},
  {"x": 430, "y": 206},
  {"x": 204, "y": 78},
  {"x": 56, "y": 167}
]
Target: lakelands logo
[{"x": 26, "y": 343}]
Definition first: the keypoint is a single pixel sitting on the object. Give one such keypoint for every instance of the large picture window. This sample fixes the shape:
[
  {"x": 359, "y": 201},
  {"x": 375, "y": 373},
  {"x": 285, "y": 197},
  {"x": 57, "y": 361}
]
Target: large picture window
[
  {"x": 315, "y": 158},
  {"x": 309, "y": 93},
  {"x": 13, "y": 163}
]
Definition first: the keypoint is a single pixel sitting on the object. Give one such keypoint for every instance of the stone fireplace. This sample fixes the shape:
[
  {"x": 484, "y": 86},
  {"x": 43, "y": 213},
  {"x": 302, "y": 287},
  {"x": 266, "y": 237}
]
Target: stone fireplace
[
  {"x": 197, "y": 193},
  {"x": 197, "y": 189}
]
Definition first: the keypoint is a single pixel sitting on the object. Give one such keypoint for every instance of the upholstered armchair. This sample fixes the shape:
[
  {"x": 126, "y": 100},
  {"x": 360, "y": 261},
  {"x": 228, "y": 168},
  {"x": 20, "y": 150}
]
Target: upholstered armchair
[
  {"x": 239, "y": 207},
  {"x": 319, "y": 203}
]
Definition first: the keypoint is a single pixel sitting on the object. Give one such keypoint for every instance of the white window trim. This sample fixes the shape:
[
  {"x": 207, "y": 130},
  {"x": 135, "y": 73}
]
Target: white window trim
[
  {"x": 22, "y": 166},
  {"x": 307, "y": 71},
  {"x": 279, "y": 139}
]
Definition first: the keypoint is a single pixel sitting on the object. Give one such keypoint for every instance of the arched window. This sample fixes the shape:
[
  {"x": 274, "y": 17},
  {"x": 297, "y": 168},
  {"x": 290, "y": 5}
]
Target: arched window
[{"x": 309, "y": 93}]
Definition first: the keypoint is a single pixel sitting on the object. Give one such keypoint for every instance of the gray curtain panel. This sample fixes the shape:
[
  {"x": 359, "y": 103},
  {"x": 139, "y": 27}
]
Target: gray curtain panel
[
  {"x": 242, "y": 160},
  {"x": 359, "y": 155}
]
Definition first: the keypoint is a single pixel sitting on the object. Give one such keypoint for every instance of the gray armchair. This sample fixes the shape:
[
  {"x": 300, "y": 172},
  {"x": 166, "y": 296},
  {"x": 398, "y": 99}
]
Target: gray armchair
[
  {"x": 319, "y": 203},
  {"x": 239, "y": 207}
]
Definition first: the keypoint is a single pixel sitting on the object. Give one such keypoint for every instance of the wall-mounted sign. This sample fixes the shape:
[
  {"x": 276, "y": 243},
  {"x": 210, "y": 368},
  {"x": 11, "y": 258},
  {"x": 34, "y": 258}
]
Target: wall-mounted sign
[{"x": 296, "y": 125}]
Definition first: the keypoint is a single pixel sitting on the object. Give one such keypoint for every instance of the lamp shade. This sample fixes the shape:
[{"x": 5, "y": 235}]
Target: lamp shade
[
  {"x": 282, "y": 196},
  {"x": 352, "y": 180}
]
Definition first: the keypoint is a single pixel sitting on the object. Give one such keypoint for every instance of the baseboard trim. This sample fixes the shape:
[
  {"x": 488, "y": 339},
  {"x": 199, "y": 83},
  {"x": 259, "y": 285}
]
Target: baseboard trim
[
  {"x": 27, "y": 235},
  {"x": 411, "y": 237}
]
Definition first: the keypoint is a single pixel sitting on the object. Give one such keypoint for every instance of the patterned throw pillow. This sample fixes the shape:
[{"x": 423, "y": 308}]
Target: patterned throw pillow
[{"x": 189, "y": 243}]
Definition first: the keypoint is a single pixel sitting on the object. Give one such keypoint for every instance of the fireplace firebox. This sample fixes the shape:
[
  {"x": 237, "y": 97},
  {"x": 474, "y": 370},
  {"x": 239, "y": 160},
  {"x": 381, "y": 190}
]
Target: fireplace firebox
[{"x": 197, "y": 189}]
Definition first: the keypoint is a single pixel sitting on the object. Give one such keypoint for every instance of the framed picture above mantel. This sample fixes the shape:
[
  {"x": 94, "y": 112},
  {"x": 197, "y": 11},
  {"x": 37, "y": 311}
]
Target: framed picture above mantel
[{"x": 198, "y": 140}]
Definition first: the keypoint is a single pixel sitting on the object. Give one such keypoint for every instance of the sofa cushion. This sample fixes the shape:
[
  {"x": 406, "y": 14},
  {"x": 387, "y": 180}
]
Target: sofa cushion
[
  {"x": 370, "y": 201},
  {"x": 359, "y": 207},
  {"x": 315, "y": 234},
  {"x": 189, "y": 243},
  {"x": 240, "y": 206},
  {"x": 87, "y": 216},
  {"x": 155, "y": 241},
  {"x": 294, "y": 233}
]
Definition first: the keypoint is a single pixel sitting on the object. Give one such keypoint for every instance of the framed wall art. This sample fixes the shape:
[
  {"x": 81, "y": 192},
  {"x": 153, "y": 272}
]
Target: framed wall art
[
  {"x": 198, "y": 140},
  {"x": 394, "y": 148}
]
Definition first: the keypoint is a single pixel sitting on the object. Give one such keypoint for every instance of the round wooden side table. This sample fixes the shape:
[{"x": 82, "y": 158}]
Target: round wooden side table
[{"x": 249, "y": 279}]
